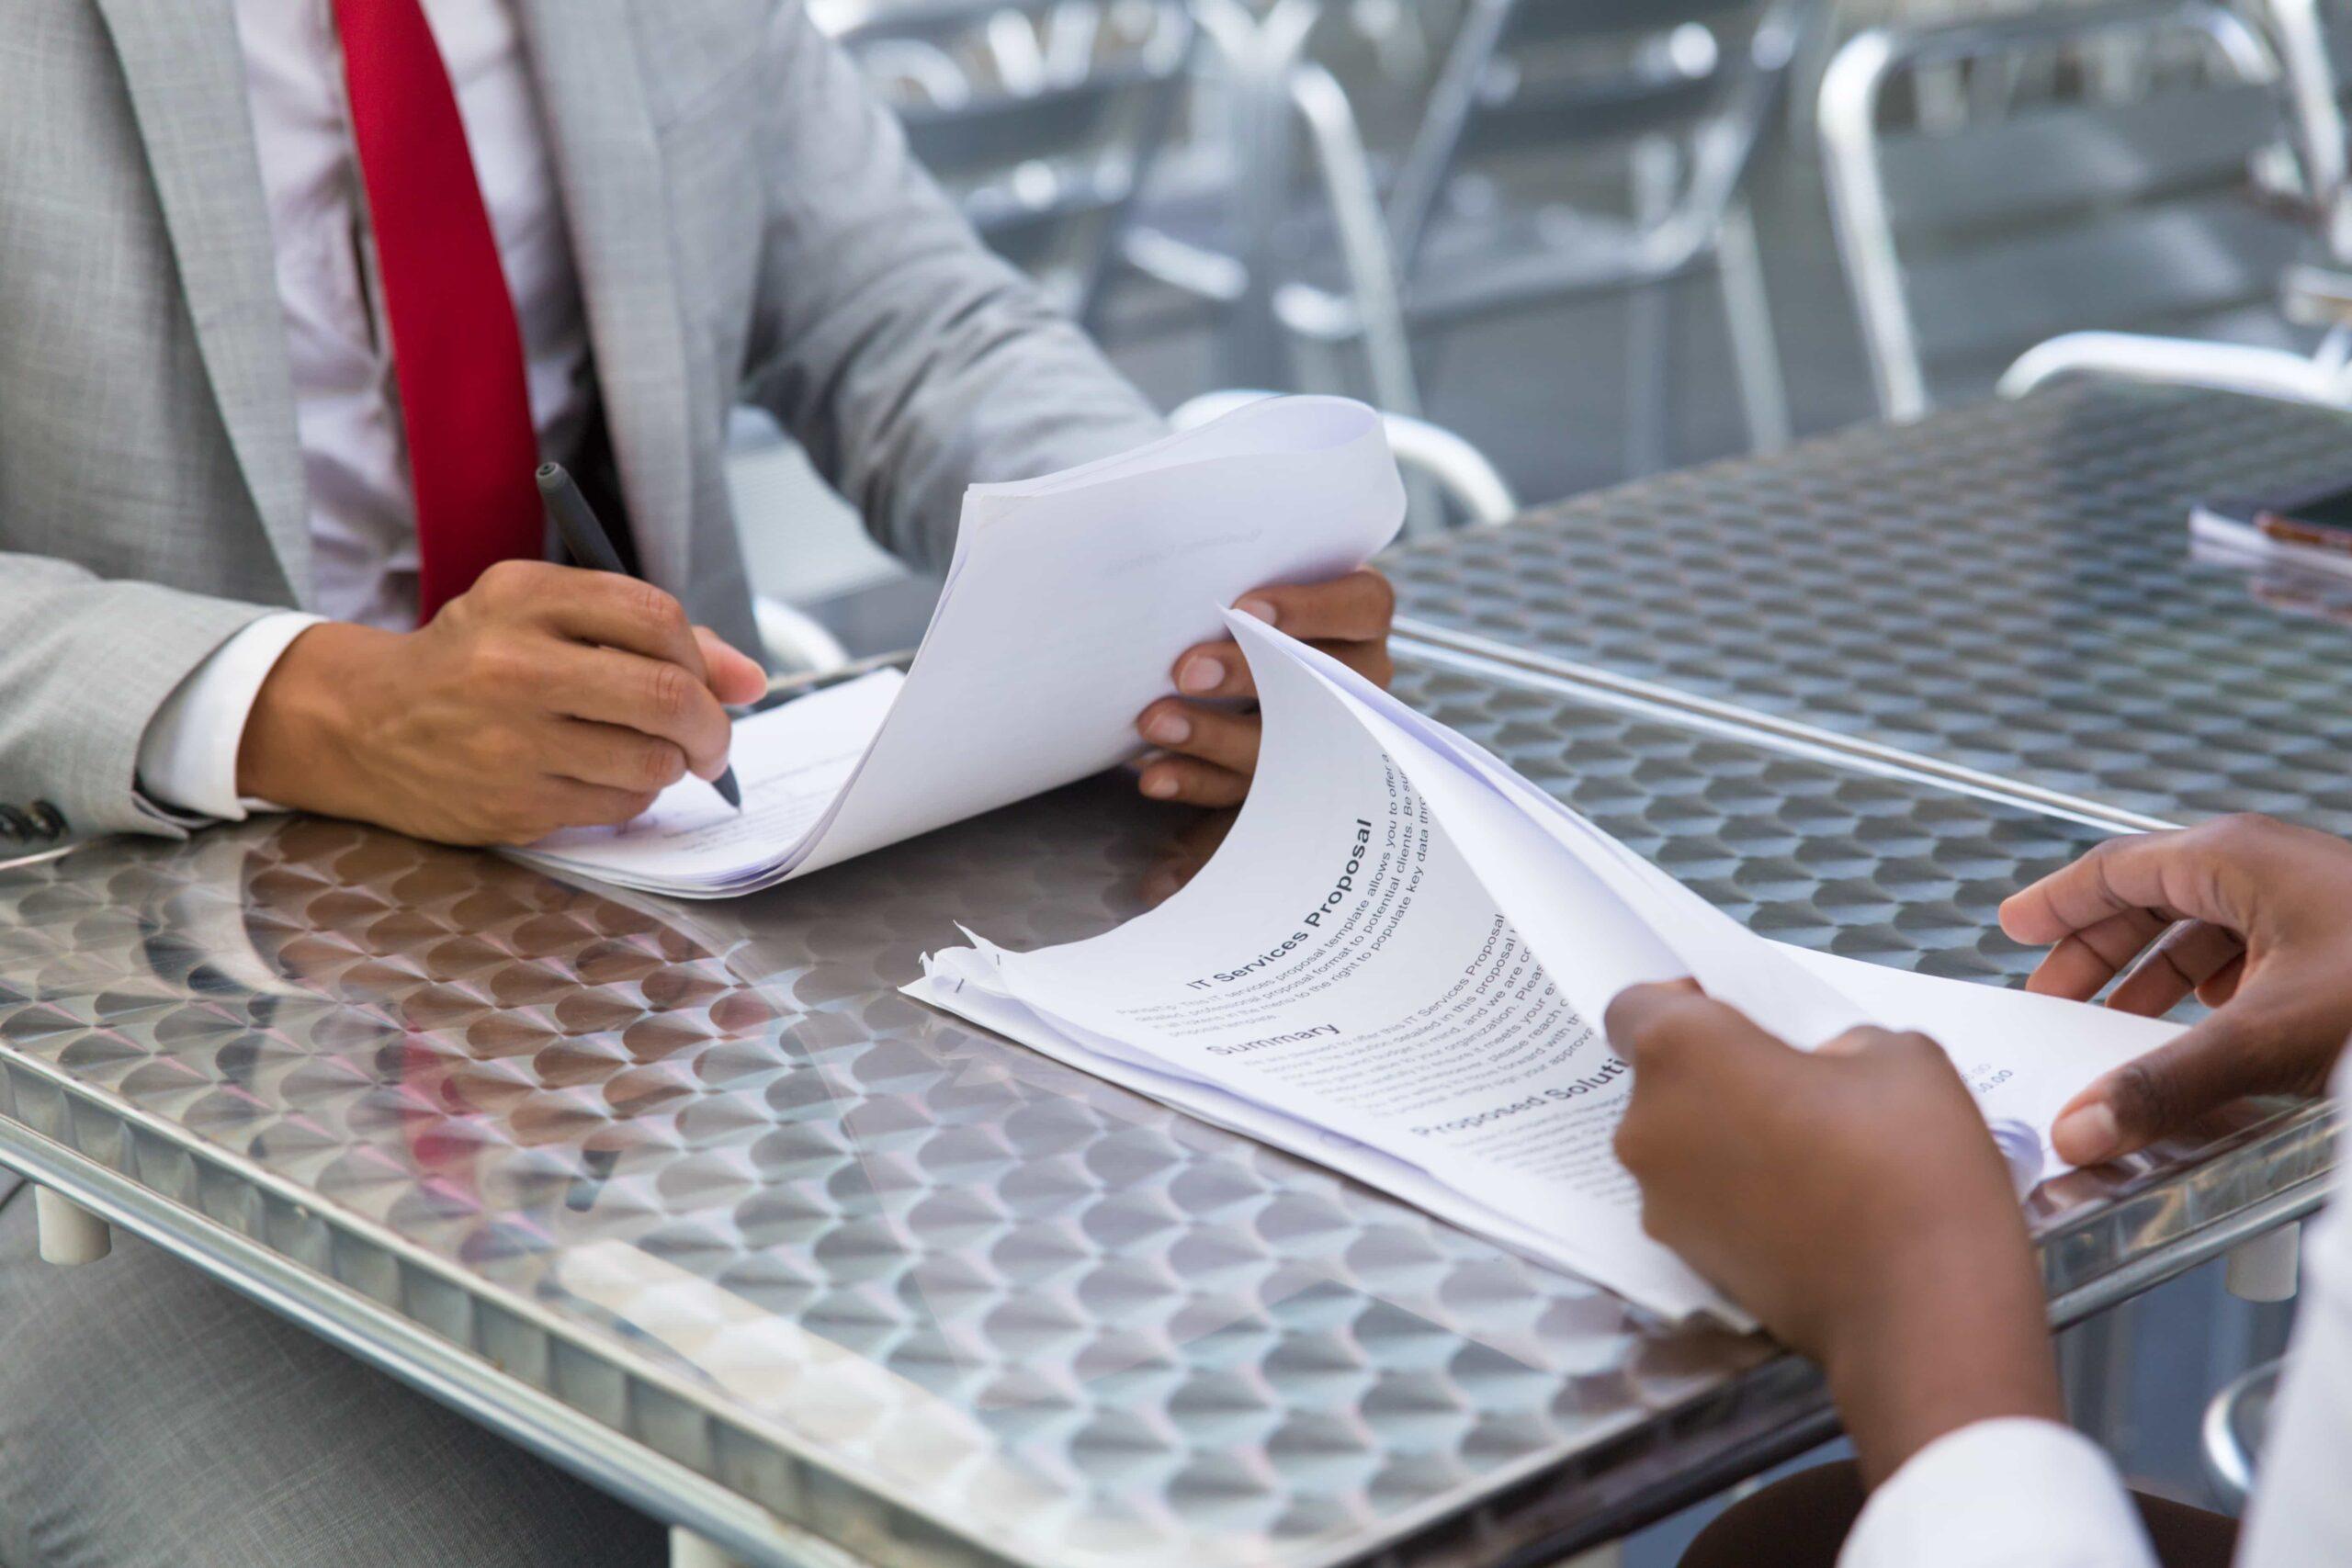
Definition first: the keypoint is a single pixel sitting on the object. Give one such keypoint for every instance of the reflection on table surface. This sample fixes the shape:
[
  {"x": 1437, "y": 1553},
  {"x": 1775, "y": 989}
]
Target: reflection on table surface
[
  {"x": 719, "y": 1136},
  {"x": 714, "y": 1141}
]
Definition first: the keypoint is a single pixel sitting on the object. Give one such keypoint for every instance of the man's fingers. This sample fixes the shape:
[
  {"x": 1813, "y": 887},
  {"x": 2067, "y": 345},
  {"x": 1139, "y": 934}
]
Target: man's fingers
[
  {"x": 610, "y": 611},
  {"x": 1370, "y": 660},
  {"x": 1355, "y": 608},
  {"x": 2183, "y": 959},
  {"x": 576, "y": 805},
  {"x": 2213, "y": 1063},
  {"x": 1636, "y": 1004},
  {"x": 2116, "y": 876},
  {"x": 735, "y": 678},
  {"x": 1352, "y": 610},
  {"x": 1654, "y": 1024},
  {"x": 651, "y": 696},
  {"x": 2217, "y": 991},
  {"x": 1213, "y": 670},
  {"x": 1193, "y": 783},
  {"x": 616, "y": 757},
  {"x": 1230, "y": 740},
  {"x": 2085, "y": 961},
  {"x": 1677, "y": 1039},
  {"x": 2210, "y": 871}
]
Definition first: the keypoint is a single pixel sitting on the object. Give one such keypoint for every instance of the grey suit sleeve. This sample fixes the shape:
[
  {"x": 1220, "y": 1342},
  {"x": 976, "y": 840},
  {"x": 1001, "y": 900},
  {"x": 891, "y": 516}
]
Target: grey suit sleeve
[
  {"x": 908, "y": 359},
  {"x": 84, "y": 664}
]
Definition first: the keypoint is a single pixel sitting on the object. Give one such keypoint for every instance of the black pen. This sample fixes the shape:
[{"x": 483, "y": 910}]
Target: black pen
[{"x": 592, "y": 547}]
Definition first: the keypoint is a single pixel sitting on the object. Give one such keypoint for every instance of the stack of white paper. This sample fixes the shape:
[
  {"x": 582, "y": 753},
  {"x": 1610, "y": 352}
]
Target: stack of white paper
[
  {"x": 1395, "y": 962},
  {"x": 1067, "y": 601}
]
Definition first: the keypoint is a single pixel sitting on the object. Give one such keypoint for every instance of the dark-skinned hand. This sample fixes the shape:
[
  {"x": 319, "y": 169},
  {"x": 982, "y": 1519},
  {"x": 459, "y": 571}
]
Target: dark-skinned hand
[
  {"x": 1210, "y": 748},
  {"x": 2251, "y": 915},
  {"x": 1852, "y": 1199}
]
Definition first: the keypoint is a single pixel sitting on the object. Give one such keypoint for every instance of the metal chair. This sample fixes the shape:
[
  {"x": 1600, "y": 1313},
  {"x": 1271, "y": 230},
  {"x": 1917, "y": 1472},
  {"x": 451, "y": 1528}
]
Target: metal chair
[
  {"x": 1569, "y": 149},
  {"x": 1664, "y": 102},
  {"x": 2313, "y": 40},
  {"x": 1040, "y": 117},
  {"x": 772, "y": 489},
  {"x": 1476, "y": 489},
  {"x": 2231, "y": 1436},
  {"x": 2141, "y": 210},
  {"x": 796, "y": 642},
  {"x": 1211, "y": 230}
]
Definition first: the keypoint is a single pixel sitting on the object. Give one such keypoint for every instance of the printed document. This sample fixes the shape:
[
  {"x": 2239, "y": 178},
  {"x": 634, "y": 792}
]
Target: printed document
[
  {"x": 1067, "y": 601},
  {"x": 1396, "y": 964}
]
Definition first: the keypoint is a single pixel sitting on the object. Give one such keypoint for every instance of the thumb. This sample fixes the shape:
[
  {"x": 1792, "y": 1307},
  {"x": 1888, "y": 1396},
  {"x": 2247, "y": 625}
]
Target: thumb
[
  {"x": 2219, "y": 1060},
  {"x": 734, "y": 678}
]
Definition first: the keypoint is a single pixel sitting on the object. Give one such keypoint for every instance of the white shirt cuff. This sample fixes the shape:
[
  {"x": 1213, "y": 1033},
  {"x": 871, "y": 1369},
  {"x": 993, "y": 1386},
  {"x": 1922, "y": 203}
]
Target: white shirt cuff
[
  {"x": 2013, "y": 1493},
  {"x": 187, "y": 759}
]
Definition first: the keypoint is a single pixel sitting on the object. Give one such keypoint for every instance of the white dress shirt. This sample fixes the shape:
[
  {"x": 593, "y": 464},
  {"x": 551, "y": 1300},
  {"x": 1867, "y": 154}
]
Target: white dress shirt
[
  {"x": 355, "y": 459},
  {"x": 2020, "y": 1493}
]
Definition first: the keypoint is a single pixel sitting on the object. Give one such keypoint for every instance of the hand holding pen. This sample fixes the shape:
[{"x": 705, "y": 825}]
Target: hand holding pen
[
  {"x": 543, "y": 697},
  {"x": 585, "y": 536}
]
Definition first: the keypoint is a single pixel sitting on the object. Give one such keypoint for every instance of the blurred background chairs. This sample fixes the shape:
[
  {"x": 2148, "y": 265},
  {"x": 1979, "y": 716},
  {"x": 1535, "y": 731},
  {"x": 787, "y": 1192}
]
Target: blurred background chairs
[
  {"x": 1534, "y": 153},
  {"x": 1503, "y": 218},
  {"x": 2116, "y": 167},
  {"x": 1469, "y": 484},
  {"x": 1041, "y": 119}
]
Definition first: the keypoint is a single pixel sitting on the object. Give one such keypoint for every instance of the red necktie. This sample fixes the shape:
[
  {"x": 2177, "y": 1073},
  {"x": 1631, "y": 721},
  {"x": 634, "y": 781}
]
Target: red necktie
[{"x": 457, "y": 348}]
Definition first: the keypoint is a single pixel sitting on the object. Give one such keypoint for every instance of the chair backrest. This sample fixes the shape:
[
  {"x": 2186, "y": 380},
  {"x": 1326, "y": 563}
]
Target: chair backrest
[
  {"x": 2314, "y": 38},
  {"x": 1040, "y": 117},
  {"x": 1472, "y": 486},
  {"x": 1554, "y": 79},
  {"x": 1969, "y": 236}
]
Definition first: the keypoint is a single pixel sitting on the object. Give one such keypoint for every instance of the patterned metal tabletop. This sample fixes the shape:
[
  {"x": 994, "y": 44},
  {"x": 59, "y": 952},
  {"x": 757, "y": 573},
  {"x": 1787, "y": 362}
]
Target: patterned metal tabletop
[
  {"x": 2007, "y": 587},
  {"x": 702, "y": 1176}
]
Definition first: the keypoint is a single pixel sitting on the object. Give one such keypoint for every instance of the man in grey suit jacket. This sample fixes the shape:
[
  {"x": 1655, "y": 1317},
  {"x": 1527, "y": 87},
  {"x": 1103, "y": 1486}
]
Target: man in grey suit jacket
[
  {"x": 744, "y": 224},
  {"x": 694, "y": 204}
]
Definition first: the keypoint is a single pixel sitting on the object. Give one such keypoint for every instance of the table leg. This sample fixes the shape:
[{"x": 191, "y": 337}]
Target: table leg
[
  {"x": 69, "y": 1232},
  {"x": 688, "y": 1550},
  {"x": 2264, "y": 1270},
  {"x": 2094, "y": 1360}
]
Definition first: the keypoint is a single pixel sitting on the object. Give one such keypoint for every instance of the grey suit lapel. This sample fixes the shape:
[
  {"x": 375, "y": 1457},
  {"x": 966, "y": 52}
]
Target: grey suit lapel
[
  {"x": 609, "y": 168},
  {"x": 187, "y": 92}
]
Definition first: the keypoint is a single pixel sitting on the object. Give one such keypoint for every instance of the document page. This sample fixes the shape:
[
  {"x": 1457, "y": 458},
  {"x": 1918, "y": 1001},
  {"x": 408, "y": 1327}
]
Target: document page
[
  {"x": 1338, "y": 980},
  {"x": 1394, "y": 963},
  {"x": 1073, "y": 595},
  {"x": 1067, "y": 601}
]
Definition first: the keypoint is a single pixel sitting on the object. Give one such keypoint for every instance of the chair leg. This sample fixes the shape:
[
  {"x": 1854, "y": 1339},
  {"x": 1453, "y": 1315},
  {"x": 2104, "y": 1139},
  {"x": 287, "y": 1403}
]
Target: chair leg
[
  {"x": 1755, "y": 345},
  {"x": 1649, "y": 381},
  {"x": 69, "y": 1234},
  {"x": 1655, "y": 173},
  {"x": 2094, "y": 1372}
]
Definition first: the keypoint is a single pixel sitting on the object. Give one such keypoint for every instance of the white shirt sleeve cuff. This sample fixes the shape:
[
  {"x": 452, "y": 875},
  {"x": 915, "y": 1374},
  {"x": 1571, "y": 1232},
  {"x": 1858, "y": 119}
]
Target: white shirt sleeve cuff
[
  {"x": 2013, "y": 1493},
  {"x": 187, "y": 759}
]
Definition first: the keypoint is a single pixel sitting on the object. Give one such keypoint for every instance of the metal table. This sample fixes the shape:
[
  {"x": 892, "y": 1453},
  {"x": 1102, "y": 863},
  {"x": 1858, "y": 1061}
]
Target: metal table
[
  {"x": 2004, "y": 594},
  {"x": 689, "y": 1199}
]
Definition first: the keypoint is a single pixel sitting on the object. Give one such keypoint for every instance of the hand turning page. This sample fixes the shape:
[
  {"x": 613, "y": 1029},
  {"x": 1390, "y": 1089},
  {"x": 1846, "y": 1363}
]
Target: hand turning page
[
  {"x": 1068, "y": 599},
  {"x": 1395, "y": 965}
]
